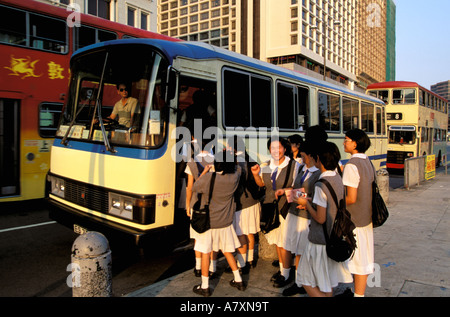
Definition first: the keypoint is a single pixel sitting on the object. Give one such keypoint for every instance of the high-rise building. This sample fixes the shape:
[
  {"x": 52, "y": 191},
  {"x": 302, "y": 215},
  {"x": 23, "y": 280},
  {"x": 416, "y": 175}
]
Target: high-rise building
[
  {"x": 348, "y": 41},
  {"x": 442, "y": 89},
  {"x": 390, "y": 40}
]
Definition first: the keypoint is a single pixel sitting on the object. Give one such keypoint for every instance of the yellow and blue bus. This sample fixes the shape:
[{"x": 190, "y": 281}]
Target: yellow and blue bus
[
  {"x": 417, "y": 121},
  {"x": 123, "y": 179}
]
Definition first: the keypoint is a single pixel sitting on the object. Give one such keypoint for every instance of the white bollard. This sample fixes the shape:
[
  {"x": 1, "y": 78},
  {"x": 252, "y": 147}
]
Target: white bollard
[
  {"x": 383, "y": 183},
  {"x": 91, "y": 257}
]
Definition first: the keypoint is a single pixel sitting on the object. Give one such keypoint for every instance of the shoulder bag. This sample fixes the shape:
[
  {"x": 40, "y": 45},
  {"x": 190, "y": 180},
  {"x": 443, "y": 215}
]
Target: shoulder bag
[
  {"x": 269, "y": 211},
  {"x": 200, "y": 216},
  {"x": 380, "y": 212}
]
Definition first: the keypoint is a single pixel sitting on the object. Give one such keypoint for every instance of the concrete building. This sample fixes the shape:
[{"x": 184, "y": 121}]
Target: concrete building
[
  {"x": 376, "y": 42},
  {"x": 442, "y": 89},
  {"x": 138, "y": 13},
  {"x": 305, "y": 35}
]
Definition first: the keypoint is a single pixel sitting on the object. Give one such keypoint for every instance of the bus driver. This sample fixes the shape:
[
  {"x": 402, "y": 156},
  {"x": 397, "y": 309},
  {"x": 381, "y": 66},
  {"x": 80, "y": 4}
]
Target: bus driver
[{"x": 125, "y": 107}]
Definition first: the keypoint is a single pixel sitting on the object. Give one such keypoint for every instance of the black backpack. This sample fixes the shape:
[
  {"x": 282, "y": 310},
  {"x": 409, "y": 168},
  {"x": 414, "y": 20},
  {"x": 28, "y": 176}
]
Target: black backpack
[{"x": 341, "y": 243}]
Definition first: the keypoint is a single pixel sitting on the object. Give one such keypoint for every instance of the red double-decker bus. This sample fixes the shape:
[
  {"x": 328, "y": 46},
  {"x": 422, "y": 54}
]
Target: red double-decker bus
[{"x": 36, "y": 42}]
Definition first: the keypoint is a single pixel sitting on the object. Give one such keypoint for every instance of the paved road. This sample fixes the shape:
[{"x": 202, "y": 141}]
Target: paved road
[{"x": 35, "y": 253}]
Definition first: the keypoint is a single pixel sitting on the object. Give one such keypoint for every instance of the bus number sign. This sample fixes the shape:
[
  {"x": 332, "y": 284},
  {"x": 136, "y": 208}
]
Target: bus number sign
[{"x": 394, "y": 116}]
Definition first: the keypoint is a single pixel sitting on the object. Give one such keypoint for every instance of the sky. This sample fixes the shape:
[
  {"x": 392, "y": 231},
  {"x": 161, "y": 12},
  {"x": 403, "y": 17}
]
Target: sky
[{"x": 423, "y": 41}]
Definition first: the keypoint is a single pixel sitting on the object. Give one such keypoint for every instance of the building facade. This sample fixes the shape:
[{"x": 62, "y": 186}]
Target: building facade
[
  {"x": 345, "y": 41},
  {"x": 137, "y": 13},
  {"x": 442, "y": 89}
]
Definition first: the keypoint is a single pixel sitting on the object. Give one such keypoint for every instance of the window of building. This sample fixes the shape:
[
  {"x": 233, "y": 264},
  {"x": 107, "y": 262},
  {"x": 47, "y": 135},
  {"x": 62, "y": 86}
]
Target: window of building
[
  {"x": 131, "y": 16},
  {"x": 144, "y": 21}
]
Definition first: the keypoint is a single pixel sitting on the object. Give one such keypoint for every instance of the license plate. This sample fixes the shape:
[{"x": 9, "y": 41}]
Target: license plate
[{"x": 79, "y": 229}]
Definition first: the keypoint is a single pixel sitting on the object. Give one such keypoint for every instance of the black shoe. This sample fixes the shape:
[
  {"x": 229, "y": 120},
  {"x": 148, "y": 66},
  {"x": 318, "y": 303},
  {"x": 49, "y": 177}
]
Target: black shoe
[
  {"x": 213, "y": 275},
  {"x": 245, "y": 269},
  {"x": 293, "y": 290},
  {"x": 276, "y": 263},
  {"x": 239, "y": 285},
  {"x": 275, "y": 276},
  {"x": 347, "y": 293},
  {"x": 197, "y": 273},
  {"x": 201, "y": 291},
  {"x": 281, "y": 281}
]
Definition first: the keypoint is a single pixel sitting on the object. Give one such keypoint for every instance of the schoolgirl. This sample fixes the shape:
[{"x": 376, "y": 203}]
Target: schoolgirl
[
  {"x": 221, "y": 236},
  {"x": 297, "y": 220},
  {"x": 194, "y": 169},
  {"x": 295, "y": 141},
  {"x": 247, "y": 216},
  {"x": 272, "y": 176},
  {"x": 358, "y": 177},
  {"x": 317, "y": 272}
]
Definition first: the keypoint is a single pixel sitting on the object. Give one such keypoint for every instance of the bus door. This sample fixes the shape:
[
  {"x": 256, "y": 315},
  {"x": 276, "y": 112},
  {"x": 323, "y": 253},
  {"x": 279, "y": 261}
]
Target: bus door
[
  {"x": 379, "y": 146},
  {"x": 9, "y": 147}
]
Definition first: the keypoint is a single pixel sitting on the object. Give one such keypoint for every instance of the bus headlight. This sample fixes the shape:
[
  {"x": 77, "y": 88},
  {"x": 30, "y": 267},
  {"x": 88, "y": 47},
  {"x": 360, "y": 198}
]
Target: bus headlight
[
  {"x": 57, "y": 186},
  {"x": 135, "y": 209}
]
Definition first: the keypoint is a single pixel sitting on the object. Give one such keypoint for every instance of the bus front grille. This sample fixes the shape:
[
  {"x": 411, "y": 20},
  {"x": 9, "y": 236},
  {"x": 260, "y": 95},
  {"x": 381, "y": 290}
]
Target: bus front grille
[{"x": 90, "y": 197}]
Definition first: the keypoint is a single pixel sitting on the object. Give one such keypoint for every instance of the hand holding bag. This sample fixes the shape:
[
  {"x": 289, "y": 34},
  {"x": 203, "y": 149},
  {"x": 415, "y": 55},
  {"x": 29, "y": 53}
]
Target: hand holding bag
[
  {"x": 380, "y": 212},
  {"x": 269, "y": 219},
  {"x": 200, "y": 216}
]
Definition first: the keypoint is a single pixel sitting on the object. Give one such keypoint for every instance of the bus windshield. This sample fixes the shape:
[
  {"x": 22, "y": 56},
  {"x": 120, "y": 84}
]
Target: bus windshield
[
  {"x": 402, "y": 137},
  {"x": 119, "y": 88}
]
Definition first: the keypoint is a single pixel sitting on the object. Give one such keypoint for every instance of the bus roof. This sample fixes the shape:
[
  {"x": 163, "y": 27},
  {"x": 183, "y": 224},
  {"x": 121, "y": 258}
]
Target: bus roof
[
  {"x": 402, "y": 84},
  {"x": 200, "y": 50}
]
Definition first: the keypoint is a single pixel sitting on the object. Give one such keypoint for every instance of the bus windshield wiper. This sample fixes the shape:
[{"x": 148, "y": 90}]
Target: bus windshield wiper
[
  {"x": 99, "y": 109},
  {"x": 64, "y": 139}
]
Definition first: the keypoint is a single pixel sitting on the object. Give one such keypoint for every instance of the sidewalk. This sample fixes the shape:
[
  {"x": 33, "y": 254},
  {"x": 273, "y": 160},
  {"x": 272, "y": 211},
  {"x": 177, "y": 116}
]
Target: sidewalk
[{"x": 412, "y": 253}]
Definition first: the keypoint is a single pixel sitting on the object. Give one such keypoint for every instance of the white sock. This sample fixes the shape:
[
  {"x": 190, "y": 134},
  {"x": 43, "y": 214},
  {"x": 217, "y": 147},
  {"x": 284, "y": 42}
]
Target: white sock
[
  {"x": 241, "y": 259},
  {"x": 281, "y": 267},
  {"x": 205, "y": 281},
  {"x": 212, "y": 265},
  {"x": 357, "y": 295},
  {"x": 285, "y": 272},
  {"x": 237, "y": 276},
  {"x": 250, "y": 255},
  {"x": 198, "y": 263}
]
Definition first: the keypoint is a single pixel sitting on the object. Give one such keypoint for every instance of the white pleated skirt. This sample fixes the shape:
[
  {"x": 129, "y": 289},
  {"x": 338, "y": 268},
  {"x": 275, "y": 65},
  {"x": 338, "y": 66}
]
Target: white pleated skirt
[
  {"x": 362, "y": 262},
  {"x": 246, "y": 221},
  {"x": 223, "y": 239},
  {"x": 296, "y": 234},
  {"x": 316, "y": 269},
  {"x": 277, "y": 236}
]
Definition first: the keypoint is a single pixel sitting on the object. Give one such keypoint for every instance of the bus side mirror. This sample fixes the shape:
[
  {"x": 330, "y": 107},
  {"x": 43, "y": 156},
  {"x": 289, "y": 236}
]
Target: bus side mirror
[{"x": 171, "y": 84}]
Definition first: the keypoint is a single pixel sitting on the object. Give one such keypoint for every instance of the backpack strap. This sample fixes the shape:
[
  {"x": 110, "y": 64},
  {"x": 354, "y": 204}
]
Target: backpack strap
[
  {"x": 333, "y": 194},
  {"x": 331, "y": 190},
  {"x": 211, "y": 186}
]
